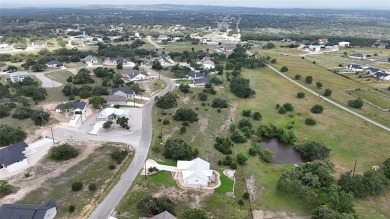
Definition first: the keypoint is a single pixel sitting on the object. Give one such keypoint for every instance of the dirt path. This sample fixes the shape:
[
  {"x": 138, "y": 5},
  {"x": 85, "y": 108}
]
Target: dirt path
[{"x": 45, "y": 171}]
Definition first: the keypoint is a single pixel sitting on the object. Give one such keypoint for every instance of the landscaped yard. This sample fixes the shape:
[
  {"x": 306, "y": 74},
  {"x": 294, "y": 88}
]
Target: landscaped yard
[
  {"x": 226, "y": 183},
  {"x": 184, "y": 81}
]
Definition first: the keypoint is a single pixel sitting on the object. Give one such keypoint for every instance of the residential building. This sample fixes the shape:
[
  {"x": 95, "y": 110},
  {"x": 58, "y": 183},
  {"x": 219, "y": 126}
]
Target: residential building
[
  {"x": 379, "y": 45},
  {"x": 207, "y": 64},
  {"x": 4, "y": 46},
  {"x": 21, "y": 211},
  {"x": 38, "y": 44},
  {"x": 4, "y": 68},
  {"x": 202, "y": 81},
  {"x": 356, "y": 56},
  {"x": 196, "y": 172},
  {"x": 18, "y": 76},
  {"x": 195, "y": 75},
  {"x": 123, "y": 91},
  {"x": 76, "y": 107},
  {"x": 134, "y": 75},
  {"x": 354, "y": 68},
  {"x": 315, "y": 48},
  {"x": 323, "y": 41},
  {"x": 89, "y": 60},
  {"x": 333, "y": 48},
  {"x": 13, "y": 157},
  {"x": 54, "y": 64},
  {"x": 108, "y": 114},
  {"x": 372, "y": 70},
  {"x": 344, "y": 44},
  {"x": 115, "y": 100},
  {"x": 381, "y": 75},
  {"x": 163, "y": 215},
  {"x": 119, "y": 59}
]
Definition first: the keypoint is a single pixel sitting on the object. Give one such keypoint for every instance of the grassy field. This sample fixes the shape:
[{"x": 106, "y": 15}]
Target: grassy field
[
  {"x": 90, "y": 170},
  {"x": 226, "y": 183},
  {"x": 59, "y": 76},
  {"x": 373, "y": 97}
]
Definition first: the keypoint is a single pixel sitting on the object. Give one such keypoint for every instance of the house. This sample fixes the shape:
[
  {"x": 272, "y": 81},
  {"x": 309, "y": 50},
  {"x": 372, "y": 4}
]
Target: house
[
  {"x": 13, "y": 211},
  {"x": 108, "y": 114},
  {"x": 381, "y": 75},
  {"x": 119, "y": 59},
  {"x": 163, "y": 215},
  {"x": 38, "y": 44},
  {"x": 333, "y": 48},
  {"x": 323, "y": 41},
  {"x": 372, "y": 70},
  {"x": 89, "y": 60},
  {"x": 354, "y": 68},
  {"x": 4, "y": 68},
  {"x": 18, "y": 76},
  {"x": 196, "y": 172},
  {"x": 123, "y": 91},
  {"x": 115, "y": 100},
  {"x": 315, "y": 48},
  {"x": 379, "y": 45},
  {"x": 206, "y": 58},
  {"x": 202, "y": 81},
  {"x": 13, "y": 157},
  {"x": 4, "y": 46},
  {"x": 76, "y": 107},
  {"x": 344, "y": 44},
  {"x": 163, "y": 37},
  {"x": 356, "y": 56},
  {"x": 192, "y": 75},
  {"x": 134, "y": 75},
  {"x": 54, "y": 64},
  {"x": 207, "y": 64}
]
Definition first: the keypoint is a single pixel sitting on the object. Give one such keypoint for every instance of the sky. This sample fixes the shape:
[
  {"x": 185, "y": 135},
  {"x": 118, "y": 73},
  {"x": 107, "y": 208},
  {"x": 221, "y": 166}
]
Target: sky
[{"x": 335, "y": 4}]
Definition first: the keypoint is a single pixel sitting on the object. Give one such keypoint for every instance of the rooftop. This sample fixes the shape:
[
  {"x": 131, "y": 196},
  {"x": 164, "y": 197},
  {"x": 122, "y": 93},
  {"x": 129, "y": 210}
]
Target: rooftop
[
  {"x": 20, "y": 211},
  {"x": 13, "y": 153}
]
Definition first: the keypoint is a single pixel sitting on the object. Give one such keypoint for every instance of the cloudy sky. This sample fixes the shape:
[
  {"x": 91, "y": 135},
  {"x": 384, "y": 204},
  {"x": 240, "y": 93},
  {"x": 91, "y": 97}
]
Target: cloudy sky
[{"x": 343, "y": 4}]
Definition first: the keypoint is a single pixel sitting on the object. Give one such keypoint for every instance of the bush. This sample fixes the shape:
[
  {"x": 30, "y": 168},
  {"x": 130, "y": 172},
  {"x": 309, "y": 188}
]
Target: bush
[
  {"x": 184, "y": 114},
  {"x": 241, "y": 158},
  {"x": 313, "y": 150},
  {"x": 240, "y": 87},
  {"x": 63, "y": 152},
  {"x": 166, "y": 121},
  {"x": 183, "y": 130},
  {"x": 358, "y": 103},
  {"x": 310, "y": 121},
  {"x": 317, "y": 109},
  {"x": 246, "y": 113},
  {"x": 185, "y": 123},
  {"x": 219, "y": 103},
  {"x": 288, "y": 107},
  {"x": 119, "y": 154},
  {"x": 252, "y": 151},
  {"x": 4, "y": 110},
  {"x": 257, "y": 116},
  {"x": 309, "y": 79},
  {"x": 327, "y": 92},
  {"x": 284, "y": 69},
  {"x": 77, "y": 186},
  {"x": 111, "y": 167},
  {"x": 227, "y": 161},
  {"x": 167, "y": 101},
  {"x": 223, "y": 145},
  {"x": 245, "y": 195},
  {"x": 282, "y": 110},
  {"x": 92, "y": 187},
  {"x": 240, "y": 202},
  {"x": 195, "y": 214},
  {"x": 5, "y": 188},
  {"x": 185, "y": 88},
  {"x": 151, "y": 205},
  {"x": 233, "y": 166},
  {"x": 277, "y": 106},
  {"x": 202, "y": 96},
  {"x": 298, "y": 77},
  {"x": 178, "y": 149},
  {"x": 71, "y": 208},
  {"x": 301, "y": 95},
  {"x": 319, "y": 85}
]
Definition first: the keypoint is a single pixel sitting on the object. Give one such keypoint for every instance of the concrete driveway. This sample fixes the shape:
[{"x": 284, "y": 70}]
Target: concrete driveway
[{"x": 47, "y": 82}]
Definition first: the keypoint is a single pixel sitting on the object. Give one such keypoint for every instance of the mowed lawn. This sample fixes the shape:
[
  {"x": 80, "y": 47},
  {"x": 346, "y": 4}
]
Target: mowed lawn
[
  {"x": 346, "y": 135},
  {"x": 59, "y": 76}
]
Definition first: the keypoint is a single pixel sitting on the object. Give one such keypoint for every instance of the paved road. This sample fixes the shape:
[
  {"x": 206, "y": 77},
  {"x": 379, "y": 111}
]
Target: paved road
[
  {"x": 104, "y": 209},
  {"x": 47, "y": 82},
  {"x": 149, "y": 39},
  {"x": 331, "y": 101}
]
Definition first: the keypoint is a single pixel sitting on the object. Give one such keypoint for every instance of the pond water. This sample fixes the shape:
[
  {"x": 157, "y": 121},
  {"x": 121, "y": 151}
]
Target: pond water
[{"x": 282, "y": 153}]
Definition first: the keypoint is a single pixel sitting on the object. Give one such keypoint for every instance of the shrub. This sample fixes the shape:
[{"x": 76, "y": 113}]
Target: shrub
[
  {"x": 252, "y": 151},
  {"x": 246, "y": 113},
  {"x": 277, "y": 106},
  {"x": 233, "y": 166},
  {"x": 223, "y": 145},
  {"x": 178, "y": 149},
  {"x": 63, "y": 152},
  {"x": 71, "y": 208},
  {"x": 282, "y": 110},
  {"x": 183, "y": 130},
  {"x": 185, "y": 88},
  {"x": 386, "y": 168},
  {"x": 358, "y": 103},
  {"x": 310, "y": 121},
  {"x": 119, "y": 154},
  {"x": 288, "y": 107},
  {"x": 241, "y": 158},
  {"x": 195, "y": 214},
  {"x": 301, "y": 95},
  {"x": 185, "y": 123},
  {"x": 167, "y": 101},
  {"x": 5, "y": 188},
  {"x": 227, "y": 161},
  {"x": 219, "y": 103},
  {"x": 298, "y": 77},
  {"x": 154, "y": 206},
  {"x": 240, "y": 202},
  {"x": 327, "y": 92},
  {"x": 257, "y": 116},
  {"x": 232, "y": 127},
  {"x": 284, "y": 69},
  {"x": 202, "y": 96},
  {"x": 219, "y": 110},
  {"x": 77, "y": 186},
  {"x": 166, "y": 121},
  {"x": 92, "y": 187},
  {"x": 317, "y": 109},
  {"x": 107, "y": 124},
  {"x": 309, "y": 79},
  {"x": 111, "y": 166},
  {"x": 240, "y": 87},
  {"x": 319, "y": 85},
  {"x": 313, "y": 150},
  {"x": 245, "y": 195},
  {"x": 184, "y": 114}
]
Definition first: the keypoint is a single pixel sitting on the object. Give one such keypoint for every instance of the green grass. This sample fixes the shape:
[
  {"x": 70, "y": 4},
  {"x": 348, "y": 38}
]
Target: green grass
[
  {"x": 373, "y": 97},
  {"x": 59, "y": 76},
  {"x": 90, "y": 170},
  {"x": 168, "y": 162},
  {"x": 226, "y": 183},
  {"x": 162, "y": 177},
  {"x": 184, "y": 82}
]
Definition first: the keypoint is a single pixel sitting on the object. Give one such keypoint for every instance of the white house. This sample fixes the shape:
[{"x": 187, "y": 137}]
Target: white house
[
  {"x": 38, "y": 44},
  {"x": 123, "y": 91},
  {"x": 354, "y": 68},
  {"x": 344, "y": 44},
  {"x": 12, "y": 211},
  {"x": 333, "y": 48},
  {"x": 207, "y": 64},
  {"x": 89, "y": 60},
  {"x": 111, "y": 114},
  {"x": 381, "y": 75},
  {"x": 18, "y": 76},
  {"x": 196, "y": 172},
  {"x": 315, "y": 48},
  {"x": 356, "y": 56},
  {"x": 13, "y": 157},
  {"x": 372, "y": 70},
  {"x": 4, "y": 46},
  {"x": 54, "y": 64},
  {"x": 134, "y": 75}
]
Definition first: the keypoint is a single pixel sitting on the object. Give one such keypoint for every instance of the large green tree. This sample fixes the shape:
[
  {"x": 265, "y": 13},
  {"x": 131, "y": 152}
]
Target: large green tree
[
  {"x": 177, "y": 149},
  {"x": 9, "y": 135}
]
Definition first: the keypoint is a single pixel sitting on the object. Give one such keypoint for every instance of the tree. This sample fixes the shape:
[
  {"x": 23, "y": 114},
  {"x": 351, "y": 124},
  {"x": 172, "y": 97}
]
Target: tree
[
  {"x": 153, "y": 206},
  {"x": 184, "y": 114},
  {"x": 157, "y": 66},
  {"x": 238, "y": 136},
  {"x": 4, "y": 110},
  {"x": 38, "y": 67},
  {"x": 309, "y": 79},
  {"x": 325, "y": 212},
  {"x": 83, "y": 77},
  {"x": 269, "y": 46},
  {"x": 202, "y": 96},
  {"x": 177, "y": 149},
  {"x": 185, "y": 88},
  {"x": 240, "y": 87},
  {"x": 241, "y": 158},
  {"x": 63, "y": 152},
  {"x": 196, "y": 213},
  {"x": 313, "y": 150},
  {"x": 358, "y": 103},
  {"x": 219, "y": 103},
  {"x": 77, "y": 186},
  {"x": 288, "y": 106},
  {"x": 22, "y": 112},
  {"x": 284, "y": 69},
  {"x": 223, "y": 145},
  {"x": 317, "y": 109},
  {"x": 301, "y": 95},
  {"x": 298, "y": 77},
  {"x": 327, "y": 92},
  {"x": 97, "y": 102},
  {"x": 99, "y": 90},
  {"x": 257, "y": 116},
  {"x": 282, "y": 110},
  {"x": 310, "y": 121},
  {"x": 107, "y": 124},
  {"x": 216, "y": 81},
  {"x": 70, "y": 89},
  {"x": 319, "y": 85},
  {"x": 70, "y": 79},
  {"x": 5, "y": 188},
  {"x": 119, "y": 66},
  {"x": 9, "y": 135},
  {"x": 386, "y": 168},
  {"x": 40, "y": 117},
  {"x": 167, "y": 101},
  {"x": 123, "y": 122}
]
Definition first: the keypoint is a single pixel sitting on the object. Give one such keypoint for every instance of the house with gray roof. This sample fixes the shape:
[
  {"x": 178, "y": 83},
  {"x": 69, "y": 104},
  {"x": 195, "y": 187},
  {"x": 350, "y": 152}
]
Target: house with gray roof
[
  {"x": 22, "y": 211},
  {"x": 4, "y": 68},
  {"x": 123, "y": 91},
  {"x": 163, "y": 215},
  {"x": 54, "y": 64},
  {"x": 89, "y": 60},
  {"x": 382, "y": 75},
  {"x": 195, "y": 75},
  {"x": 354, "y": 68},
  {"x": 13, "y": 157},
  {"x": 372, "y": 70},
  {"x": 134, "y": 75},
  {"x": 76, "y": 107},
  {"x": 115, "y": 100},
  {"x": 38, "y": 44},
  {"x": 356, "y": 56},
  {"x": 18, "y": 76},
  {"x": 202, "y": 81}
]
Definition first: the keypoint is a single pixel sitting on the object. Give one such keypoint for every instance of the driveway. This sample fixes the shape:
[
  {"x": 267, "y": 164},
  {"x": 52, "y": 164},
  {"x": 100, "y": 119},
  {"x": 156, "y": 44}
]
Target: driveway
[
  {"x": 149, "y": 39},
  {"x": 47, "y": 82}
]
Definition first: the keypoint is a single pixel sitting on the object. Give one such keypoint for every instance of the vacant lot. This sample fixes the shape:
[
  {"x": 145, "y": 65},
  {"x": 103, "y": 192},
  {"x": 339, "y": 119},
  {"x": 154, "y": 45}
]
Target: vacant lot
[
  {"x": 88, "y": 171},
  {"x": 373, "y": 97},
  {"x": 59, "y": 76}
]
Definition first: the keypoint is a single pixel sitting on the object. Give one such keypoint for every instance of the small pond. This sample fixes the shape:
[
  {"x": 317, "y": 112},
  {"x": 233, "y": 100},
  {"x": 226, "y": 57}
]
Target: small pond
[{"x": 282, "y": 153}]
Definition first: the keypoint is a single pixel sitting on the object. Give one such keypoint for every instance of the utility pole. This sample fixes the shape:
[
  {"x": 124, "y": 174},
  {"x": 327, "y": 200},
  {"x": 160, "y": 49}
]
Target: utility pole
[
  {"x": 161, "y": 139},
  {"x": 354, "y": 168},
  {"x": 134, "y": 100},
  {"x": 52, "y": 135}
]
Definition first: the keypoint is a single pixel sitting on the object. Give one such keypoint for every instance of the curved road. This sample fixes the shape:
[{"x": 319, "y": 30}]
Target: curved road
[
  {"x": 47, "y": 82},
  {"x": 105, "y": 208},
  {"x": 331, "y": 101}
]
